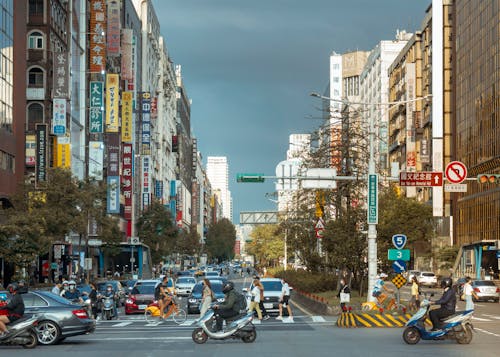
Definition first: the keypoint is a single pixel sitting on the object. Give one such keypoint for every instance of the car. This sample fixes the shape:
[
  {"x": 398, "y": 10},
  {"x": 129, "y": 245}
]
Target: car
[
  {"x": 222, "y": 279},
  {"x": 184, "y": 285},
  {"x": 141, "y": 295},
  {"x": 212, "y": 273},
  {"x": 485, "y": 290},
  {"x": 272, "y": 293},
  {"x": 194, "y": 299},
  {"x": 59, "y": 317},
  {"x": 117, "y": 288},
  {"x": 427, "y": 278},
  {"x": 411, "y": 274}
]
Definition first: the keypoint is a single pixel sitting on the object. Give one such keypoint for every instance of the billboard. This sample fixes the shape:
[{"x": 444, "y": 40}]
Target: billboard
[
  {"x": 112, "y": 101},
  {"x": 97, "y": 37}
]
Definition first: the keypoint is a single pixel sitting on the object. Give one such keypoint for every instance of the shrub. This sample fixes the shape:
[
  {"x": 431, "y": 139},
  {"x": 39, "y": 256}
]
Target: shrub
[{"x": 307, "y": 281}]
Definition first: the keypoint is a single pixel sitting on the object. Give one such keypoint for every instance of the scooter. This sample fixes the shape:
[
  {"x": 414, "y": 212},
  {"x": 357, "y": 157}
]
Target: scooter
[
  {"x": 22, "y": 332},
  {"x": 457, "y": 326},
  {"x": 240, "y": 327},
  {"x": 108, "y": 307}
]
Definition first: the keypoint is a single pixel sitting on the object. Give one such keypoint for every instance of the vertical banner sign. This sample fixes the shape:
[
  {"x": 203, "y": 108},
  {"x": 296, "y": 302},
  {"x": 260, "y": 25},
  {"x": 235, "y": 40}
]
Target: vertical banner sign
[
  {"x": 127, "y": 116},
  {"x": 146, "y": 181},
  {"x": 372, "y": 199},
  {"x": 146, "y": 123},
  {"x": 113, "y": 28},
  {"x": 127, "y": 178},
  {"x": 41, "y": 152},
  {"x": 59, "y": 116},
  {"x": 60, "y": 75},
  {"x": 96, "y": 109},
  {"x": 113, "y": 156},
  {"x": 112, "y": 101},
  {"x": 113, "y": 201},
  {"x": 130, "y": 82},
  {"x": 154, "y": 107},
  {"x": 127, "y": 38},
  {"x": 96, "y": 159},
  {"x": 62, "y": 152},
  {"x": 97, "y": 39},
  {"x": 411, "y": 155},
  {"x": 30, "y": 153}
]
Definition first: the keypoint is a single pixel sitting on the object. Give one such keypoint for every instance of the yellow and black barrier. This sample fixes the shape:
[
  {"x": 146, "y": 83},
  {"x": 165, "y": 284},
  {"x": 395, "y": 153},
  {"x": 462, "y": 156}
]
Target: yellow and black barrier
[{"x": 368, "y": 319}]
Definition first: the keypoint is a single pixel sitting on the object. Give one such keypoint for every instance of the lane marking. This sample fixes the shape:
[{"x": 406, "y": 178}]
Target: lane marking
[
  {"x": 160, "y": 338},
  {"x": 187, "y": 323},
  {"x": 492, "y": 316},
  {"x": 487, "y": 332},
  {"x": 318, "y": 319},
  {"x": 121, "y": 324}
]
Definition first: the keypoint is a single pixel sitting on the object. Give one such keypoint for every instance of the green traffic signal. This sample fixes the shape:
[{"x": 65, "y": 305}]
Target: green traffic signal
[
  {"x": 249, "y": 177},
  {"x": 488, "y": 178}
]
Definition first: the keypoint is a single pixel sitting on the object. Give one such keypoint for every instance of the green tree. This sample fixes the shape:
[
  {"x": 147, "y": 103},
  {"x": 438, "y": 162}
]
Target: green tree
[
  {"x": 156, "y": 229},
  {"x": 221, "y": 237},
  {"x": 188, "y": 242},
  {"x": 267, "y": 244}
]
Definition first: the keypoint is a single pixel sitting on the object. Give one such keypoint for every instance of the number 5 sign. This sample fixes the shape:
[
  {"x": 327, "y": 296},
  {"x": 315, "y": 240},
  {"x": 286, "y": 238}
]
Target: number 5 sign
[{"x": 399, "y": 240}]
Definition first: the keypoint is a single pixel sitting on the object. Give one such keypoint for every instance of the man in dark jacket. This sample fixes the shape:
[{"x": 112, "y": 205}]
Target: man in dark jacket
[
  {"x": 228, "y": 308},
  {"x": 15, "y": 309},
  {"x": 447, "y": 302}
]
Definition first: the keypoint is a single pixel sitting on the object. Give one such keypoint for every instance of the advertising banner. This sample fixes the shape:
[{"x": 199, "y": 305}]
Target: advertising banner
[
  {"x": 59, "y": 116},
  {"x": 127, "y": 111},
  {"x": 146, "y": 123},
  {"x": 96, "y": 159},
  {"x": 113, "y": 32},
  {"x": 411, "y": 155},
  {"x": 113, "y": 201},
  {"x": 41, "y": 152},
  {"x": 96, "y": 110},
  {"x": 127, "y": 179},
  {"x": 62, "y": 152},
  {"x": 112, "y": 101},
  {"x": 127, "y": 63},
  {"x": 97, "y": 38},
  {"x": 113, "y": 156},
  {"x": 146, "y": 181},
  {"x": 30, "y": 153},
  {"x": 60, "y": 75}
]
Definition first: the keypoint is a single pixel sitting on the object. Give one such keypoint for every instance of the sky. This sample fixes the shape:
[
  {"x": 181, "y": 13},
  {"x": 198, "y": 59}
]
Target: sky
[{"x": 249, "y": 67}]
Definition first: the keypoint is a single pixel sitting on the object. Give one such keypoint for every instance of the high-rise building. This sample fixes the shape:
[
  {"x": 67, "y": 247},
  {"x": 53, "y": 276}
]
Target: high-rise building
[{"x": 218, "y": 175}]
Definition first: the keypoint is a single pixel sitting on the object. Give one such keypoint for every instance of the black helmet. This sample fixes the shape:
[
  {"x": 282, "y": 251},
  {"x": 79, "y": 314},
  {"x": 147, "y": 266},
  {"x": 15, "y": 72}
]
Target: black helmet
[
  {"x": 12, "y": 287},
  {"x": 446, "y": 283},
  {"x": 228, "y": 287}
]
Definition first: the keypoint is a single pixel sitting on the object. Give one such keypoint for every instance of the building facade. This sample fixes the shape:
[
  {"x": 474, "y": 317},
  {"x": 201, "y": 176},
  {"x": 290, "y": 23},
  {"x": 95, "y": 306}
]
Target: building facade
[{"x": 218, "y": 175}]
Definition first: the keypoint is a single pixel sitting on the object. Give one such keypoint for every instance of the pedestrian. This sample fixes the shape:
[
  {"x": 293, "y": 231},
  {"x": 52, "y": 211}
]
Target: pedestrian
[
  {"x": 344, "y": 294},
  {"x": 468, "y": 294},
  {"x": 255, "y": 299},
  {"x": 207, "y": 296},
  {"x": 415, "y": 294},
  {"x": 57, "y": 288},
  {"x": 284, "y": 301},
  {"x": 265, "y": 315}
]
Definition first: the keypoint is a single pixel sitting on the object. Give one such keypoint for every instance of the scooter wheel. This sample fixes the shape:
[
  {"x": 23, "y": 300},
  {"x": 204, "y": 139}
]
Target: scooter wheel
[
  {"x": 250, "y": 336},
  {"x": 411, "y": 335},
  {"x": 199, "y": 336},
  {"x": 465, "y": 336},
  {"x": 33, "y": 340}
]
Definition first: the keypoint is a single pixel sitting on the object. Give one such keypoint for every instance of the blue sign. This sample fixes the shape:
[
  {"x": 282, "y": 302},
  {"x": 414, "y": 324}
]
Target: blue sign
[
  {"x": 498, "y": 254},
  {"x": 399, "y": 240},
  {"x": 399, "y": 266}
]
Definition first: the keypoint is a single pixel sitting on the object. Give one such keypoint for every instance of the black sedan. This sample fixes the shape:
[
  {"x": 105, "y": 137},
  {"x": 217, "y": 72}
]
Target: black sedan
[
  {"x": 59, "y": 318},
  {"x": 194, "y": 299}
]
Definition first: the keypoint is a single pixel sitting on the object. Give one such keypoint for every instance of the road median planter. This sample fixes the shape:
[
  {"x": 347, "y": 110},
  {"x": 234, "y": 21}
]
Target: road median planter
[
  {"x": 373, "y": 319},
  {"x": 312, "y": 303}
]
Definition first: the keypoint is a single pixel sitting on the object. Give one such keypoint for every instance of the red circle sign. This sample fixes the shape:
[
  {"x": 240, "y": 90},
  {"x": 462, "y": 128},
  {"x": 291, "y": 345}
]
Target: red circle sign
[{"x": 456, "y": 172}]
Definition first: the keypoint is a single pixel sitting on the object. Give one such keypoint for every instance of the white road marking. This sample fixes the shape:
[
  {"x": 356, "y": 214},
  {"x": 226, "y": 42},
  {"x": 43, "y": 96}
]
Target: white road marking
[
  {"x": 480, "y": 319},
  {"x": 121, "y": 324},
  {"x": 492, "y": 316},
  {"x": 318, "y": 319},
  {"x": 162, "y": 338},
  {"x": 153, "y": 323},
  {"x": 188, "y": 323},
  {"x": 487, "y": 332},
  {"x": 286, "y": 320}
]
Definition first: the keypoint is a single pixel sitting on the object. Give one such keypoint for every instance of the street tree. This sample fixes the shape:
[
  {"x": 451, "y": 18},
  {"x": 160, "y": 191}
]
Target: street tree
[
  {"x": 267, "y": 244},
  {"x": 221, "y": 237},
  {"x": 188, "y": 242}
]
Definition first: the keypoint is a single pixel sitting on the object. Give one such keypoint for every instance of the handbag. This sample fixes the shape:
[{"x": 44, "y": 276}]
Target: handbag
[{"x": 345, "y": 297}]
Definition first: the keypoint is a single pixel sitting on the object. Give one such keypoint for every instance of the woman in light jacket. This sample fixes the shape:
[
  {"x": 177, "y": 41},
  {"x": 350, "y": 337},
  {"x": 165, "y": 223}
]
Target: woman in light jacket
[
  {"x": 254, "y": 303},
  {"x": 206, "y": 296},
  {"x": 469, "y": 293}
]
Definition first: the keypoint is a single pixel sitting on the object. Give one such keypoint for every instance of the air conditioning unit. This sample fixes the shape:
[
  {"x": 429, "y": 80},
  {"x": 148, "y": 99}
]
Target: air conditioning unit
[{"x": 134, "y": 240}]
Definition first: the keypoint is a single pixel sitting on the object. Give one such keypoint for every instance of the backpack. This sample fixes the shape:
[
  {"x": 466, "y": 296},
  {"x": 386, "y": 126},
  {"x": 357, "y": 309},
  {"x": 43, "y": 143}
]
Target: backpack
[
  {"x": 240, "y": 302},
  {"x": 157, "y": 291}
]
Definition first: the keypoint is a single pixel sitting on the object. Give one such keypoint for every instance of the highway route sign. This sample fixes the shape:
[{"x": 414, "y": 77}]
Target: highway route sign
[
  {"x": 399, "y": 240},
  {"x": 398, "y": 254}
]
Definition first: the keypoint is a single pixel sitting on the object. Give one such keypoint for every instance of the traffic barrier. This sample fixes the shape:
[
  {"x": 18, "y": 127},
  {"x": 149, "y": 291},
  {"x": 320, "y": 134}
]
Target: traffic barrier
[{"x": 365, "y": 319}]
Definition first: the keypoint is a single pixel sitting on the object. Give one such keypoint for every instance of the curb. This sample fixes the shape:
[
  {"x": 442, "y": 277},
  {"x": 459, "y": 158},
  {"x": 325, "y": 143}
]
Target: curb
[{"x": 350, "y": 319}]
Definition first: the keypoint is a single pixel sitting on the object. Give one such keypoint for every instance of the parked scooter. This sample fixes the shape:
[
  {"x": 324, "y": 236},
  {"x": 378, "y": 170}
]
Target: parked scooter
[
  {"x": 108, "y": 309},
  {"x": 457, "y": 326},
  {"x": 22, "y": 332},
  {"x": 240, "y": 327}
]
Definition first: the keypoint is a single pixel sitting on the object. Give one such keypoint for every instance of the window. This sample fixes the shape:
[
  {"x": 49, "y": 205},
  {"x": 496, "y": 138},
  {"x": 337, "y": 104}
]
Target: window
[
  {"x": 36, "y": 7},
  {"x": 35, "y": 77},
  {"x": 35, "y": 40}
]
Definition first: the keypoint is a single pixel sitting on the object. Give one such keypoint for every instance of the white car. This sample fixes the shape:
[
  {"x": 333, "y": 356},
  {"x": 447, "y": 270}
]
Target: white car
[
  {"x": 427, "y": 278},
  {"x": 272, "y": 293},
  {"x": 184, "y": 285}
]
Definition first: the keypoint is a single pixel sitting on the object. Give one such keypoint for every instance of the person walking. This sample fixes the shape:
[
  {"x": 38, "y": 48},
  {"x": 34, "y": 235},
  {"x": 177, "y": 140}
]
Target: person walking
[
  {"x": 469, "y": 293},
  {"x": 265, "y": 315},
  {"x": 207, "y": 296},
  {"x": 285, "y": 301},
  {"x": 415, "y": 293},
  {"x": 255, "y": 299},
  {"x": 344, "y": 294}
]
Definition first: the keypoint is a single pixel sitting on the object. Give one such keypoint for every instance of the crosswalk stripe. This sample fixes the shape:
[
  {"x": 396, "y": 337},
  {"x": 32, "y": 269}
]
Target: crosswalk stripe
[
  {"x": 492, "y": 316},
  {"x": 188, "y": 323},
  {"x": 318, "y": 319},
  {"x": 480, "y": 319},
  {"x": 121, "y": 324},
  {"x": 153, "y": 323}
]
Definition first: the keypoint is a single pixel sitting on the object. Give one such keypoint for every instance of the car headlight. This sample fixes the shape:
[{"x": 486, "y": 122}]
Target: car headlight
[
  {"x": 130, "y": 301},
  {"x": 192, "y": 301}
]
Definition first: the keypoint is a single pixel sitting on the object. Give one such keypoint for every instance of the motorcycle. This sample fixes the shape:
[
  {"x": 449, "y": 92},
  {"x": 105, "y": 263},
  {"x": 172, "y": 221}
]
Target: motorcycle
[
  {"x": 457, "y": 326},
  {"x": 239, "y": 327},
  {"x": 22, "y": 332},
  {"x": 108, "y": 307}
]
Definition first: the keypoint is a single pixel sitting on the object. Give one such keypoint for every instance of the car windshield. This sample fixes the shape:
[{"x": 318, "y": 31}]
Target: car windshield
[
  {"x": 484, "y": 283},
  {"x": 272, "y": 285},
  {"x": 146, "y": 289},
  {"x": 428, "y": 274},
  {"x": 57, "y": 298},
  {"x": 186, "y": 281}
]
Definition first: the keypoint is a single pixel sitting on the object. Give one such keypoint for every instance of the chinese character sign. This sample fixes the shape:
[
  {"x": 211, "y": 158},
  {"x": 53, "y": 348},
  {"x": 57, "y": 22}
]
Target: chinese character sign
[
  {"x": 127, "y": 102},
  {"x": 127, "y": 68},
  {"x": 146, "y": 123},
  {"x": 60, "y": 75},
  {"x": 113, "y": 201},
  {"x": 113, "y": 28},
  {"x": 59, "y": 116},
  {"x": 96, "y": 97},
  {"x": 127, "y": 178},
  {"x": 112, "y": 100},
  {"x": 146, "y": 181},
  {"x": 113, "y": 153},
  {"x": 97, "y": 37}
]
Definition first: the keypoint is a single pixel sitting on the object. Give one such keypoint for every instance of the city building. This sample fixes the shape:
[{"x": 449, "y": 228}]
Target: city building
[{"x": 218, "y": 175}]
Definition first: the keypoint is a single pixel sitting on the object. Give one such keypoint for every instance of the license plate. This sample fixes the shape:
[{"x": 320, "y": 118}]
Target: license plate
[
  {"x": 142, "y": 307},
  {"x": 268, "y": 306}
]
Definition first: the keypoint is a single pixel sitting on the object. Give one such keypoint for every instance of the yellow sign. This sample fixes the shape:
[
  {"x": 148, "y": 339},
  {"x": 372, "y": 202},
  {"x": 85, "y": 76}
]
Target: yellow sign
[
  {"x": 127, "y": 102},
  {"x": 399, "y": 281},
  {"x": 62, "y": 154},
  {"x": 112, "y": 100}
]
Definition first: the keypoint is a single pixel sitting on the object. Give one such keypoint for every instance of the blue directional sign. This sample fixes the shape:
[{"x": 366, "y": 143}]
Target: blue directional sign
[
  {"x": 498, "y": 254},
  {"x": 399, "y": 266},
  {"x": 399, "y": 240}
]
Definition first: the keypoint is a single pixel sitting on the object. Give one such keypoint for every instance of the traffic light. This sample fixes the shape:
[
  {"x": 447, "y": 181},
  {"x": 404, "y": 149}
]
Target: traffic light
[
  {"x": 488, "y": 178},
  {"x": 249, "y": 177}
]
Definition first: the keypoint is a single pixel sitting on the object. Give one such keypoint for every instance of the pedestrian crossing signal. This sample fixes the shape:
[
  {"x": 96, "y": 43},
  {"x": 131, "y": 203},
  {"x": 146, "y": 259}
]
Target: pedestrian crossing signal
[{"x": 488, "y": 178}]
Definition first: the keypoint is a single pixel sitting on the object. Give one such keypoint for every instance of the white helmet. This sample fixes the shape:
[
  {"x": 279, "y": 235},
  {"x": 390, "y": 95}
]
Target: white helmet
[{"x": 383, "y": 275}]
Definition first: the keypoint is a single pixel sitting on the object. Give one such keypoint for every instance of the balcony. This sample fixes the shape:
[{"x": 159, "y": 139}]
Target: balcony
[{"x": 33, "y": 93}]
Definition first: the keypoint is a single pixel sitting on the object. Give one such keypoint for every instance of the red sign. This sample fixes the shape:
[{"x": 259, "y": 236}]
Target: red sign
[
  {"x": 456, "y": 172},
  {"x": 421, "y": 179},
  {"x": 127, "y": 180},
  {"x": 319, "y": 232}
]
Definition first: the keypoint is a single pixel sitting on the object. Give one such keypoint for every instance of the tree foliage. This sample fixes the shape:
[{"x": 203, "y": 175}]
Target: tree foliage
[
  {"x": 221, "y": 237},
  {"x": 188, "y": 242},
  {"x": 267, "y": 244}
]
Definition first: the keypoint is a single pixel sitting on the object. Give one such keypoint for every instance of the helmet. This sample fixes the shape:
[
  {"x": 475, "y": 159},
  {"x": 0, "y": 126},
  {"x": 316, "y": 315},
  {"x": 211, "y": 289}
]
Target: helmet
[
  {"x": 383, "y": 275},
  {"x": 13, "y": 287},
  {"x": 109, "y": 287},
  {"x": 446, "y": 283},
  {"x": 65, "y": 282},
  {"x": 228, "y": 287},
  {"x": 72, "y": 284}
]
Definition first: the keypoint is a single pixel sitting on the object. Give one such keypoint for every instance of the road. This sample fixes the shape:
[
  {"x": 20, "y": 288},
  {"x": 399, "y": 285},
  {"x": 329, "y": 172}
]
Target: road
[{"x": 307, "y": 336}]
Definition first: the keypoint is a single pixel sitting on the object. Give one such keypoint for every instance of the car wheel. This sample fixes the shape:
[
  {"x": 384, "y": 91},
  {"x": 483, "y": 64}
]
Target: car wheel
[{"x": 48, "y": 332}]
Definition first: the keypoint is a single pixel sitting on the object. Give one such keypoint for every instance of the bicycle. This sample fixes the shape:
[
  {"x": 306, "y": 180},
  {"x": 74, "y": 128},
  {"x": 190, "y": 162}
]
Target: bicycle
[
  {"x": 152, "y": 313},
  {"x": 381, "y": 304}
]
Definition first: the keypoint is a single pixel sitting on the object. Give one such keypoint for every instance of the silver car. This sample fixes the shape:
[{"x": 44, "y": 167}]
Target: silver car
[
  {"x": 184, "y": 285},
  {"x": 486, "y": 290}
]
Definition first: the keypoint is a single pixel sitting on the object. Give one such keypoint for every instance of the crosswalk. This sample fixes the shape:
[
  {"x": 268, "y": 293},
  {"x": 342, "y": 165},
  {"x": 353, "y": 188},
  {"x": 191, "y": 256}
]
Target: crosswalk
[{"x": 486, "y": 317}]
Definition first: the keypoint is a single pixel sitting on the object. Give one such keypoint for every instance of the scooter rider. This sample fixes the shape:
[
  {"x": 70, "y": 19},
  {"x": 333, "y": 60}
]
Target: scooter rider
[
  {"x": 72, "y": 294},
  {"x": 228, "y": 308},
  {"x": 15, "y": 309},
  {"x": 110, "y": 293},
  {"x": 447, "y": 302}
]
